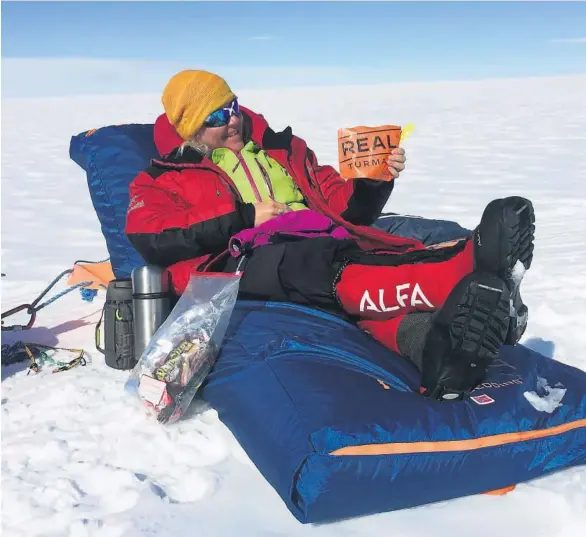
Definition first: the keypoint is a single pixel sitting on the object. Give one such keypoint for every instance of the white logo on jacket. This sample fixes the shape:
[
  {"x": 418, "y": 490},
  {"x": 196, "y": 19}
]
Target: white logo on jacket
[
  {"x": 135, "y": 203},
  {"x": 413, "y": 297}
]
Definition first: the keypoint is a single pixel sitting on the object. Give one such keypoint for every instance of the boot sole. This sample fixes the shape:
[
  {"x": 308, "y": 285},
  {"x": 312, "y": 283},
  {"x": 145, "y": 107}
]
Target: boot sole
[
  {"x": 520, "y": 227},
  {"x": 474, "y": 322},
  {"x": 516, "y": 234},
  {"x": 520, "y": 220},
  {"x": 512, "y": 241}
]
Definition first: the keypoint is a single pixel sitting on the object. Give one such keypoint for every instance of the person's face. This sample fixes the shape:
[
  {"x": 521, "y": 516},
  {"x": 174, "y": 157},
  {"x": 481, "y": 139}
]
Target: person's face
[{"x": 223, "y": 128}]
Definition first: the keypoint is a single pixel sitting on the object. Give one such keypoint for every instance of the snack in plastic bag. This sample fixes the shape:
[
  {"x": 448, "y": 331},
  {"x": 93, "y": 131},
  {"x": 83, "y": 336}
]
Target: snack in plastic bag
[
  {"x": 185, "y": 347},
  {"x": 364, "y": 151}
]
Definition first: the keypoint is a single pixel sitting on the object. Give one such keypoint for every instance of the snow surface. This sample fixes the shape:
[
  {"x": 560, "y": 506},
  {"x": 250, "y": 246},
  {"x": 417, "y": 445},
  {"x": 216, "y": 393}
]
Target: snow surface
[{"x": 79, "y": 459}]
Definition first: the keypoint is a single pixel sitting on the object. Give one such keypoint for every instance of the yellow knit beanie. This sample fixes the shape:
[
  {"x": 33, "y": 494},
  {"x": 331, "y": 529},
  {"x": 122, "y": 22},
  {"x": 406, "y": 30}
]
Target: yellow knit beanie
[{"x": 191, "y": 96}]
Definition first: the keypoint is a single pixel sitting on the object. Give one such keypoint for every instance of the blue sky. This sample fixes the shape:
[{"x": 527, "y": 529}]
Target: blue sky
[{"x": 96, "y": 47}]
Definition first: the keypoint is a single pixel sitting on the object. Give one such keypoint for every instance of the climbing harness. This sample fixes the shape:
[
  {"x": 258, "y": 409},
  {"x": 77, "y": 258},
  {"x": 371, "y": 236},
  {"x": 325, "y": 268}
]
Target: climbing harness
[{"x": 39, "y": 357}]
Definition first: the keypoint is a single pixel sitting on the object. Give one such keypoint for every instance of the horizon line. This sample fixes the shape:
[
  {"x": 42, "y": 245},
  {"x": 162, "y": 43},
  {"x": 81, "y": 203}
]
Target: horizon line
[{"x": 317, "y": 85}]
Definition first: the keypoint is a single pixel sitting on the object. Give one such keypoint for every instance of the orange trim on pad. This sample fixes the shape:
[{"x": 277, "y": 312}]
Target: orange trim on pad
[
  {"x": 500, "y": 492},
  {"x": 402, "y": 448}
]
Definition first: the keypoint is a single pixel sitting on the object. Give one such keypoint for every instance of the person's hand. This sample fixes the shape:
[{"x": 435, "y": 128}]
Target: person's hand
[
  {"x": 396, "y": 162},
  {"x": 265, "y": 210}
]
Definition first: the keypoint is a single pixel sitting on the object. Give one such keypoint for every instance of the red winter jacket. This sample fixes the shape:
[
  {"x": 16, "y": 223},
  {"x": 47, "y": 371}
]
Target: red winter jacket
[{"x": 183, "y": 209}]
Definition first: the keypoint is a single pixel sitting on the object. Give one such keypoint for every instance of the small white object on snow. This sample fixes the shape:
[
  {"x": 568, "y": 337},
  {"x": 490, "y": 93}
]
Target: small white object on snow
[{"x": 549, "y": 402}]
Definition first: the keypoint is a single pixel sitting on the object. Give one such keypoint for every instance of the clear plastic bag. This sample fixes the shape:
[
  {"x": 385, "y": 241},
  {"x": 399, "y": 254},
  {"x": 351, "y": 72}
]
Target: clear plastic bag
[{"x": 185, "y": 347}]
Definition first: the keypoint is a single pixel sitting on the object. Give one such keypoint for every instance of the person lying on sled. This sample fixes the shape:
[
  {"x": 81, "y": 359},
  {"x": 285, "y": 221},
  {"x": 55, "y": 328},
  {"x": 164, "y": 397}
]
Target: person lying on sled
[{"x": 447, "y": 309}]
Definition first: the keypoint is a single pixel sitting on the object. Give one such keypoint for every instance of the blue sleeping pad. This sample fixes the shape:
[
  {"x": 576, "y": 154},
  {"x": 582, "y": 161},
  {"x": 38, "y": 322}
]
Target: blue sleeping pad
[
  {"x": 335, "y": 423},
  {"x": 112, "y": 157}
]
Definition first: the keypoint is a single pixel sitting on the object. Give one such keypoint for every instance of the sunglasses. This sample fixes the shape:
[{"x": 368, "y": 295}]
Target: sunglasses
[{"x": 221, "y": 117}]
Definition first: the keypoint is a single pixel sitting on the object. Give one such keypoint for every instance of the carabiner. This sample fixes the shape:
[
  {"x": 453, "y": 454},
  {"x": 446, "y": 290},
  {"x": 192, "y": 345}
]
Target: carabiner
[{"x": 29, "y": 309}]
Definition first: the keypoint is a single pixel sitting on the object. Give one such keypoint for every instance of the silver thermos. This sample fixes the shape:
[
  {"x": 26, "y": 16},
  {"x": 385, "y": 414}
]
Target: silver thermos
[{"x": 151, "y": 303}]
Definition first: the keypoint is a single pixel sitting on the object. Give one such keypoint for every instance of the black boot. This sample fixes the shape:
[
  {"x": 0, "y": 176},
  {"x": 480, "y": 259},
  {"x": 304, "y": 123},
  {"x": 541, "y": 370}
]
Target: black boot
[
  {"x": 503, "y": 245},
  {"x": 467, "y": 332},
  {"x": 465, "y": 336}
]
